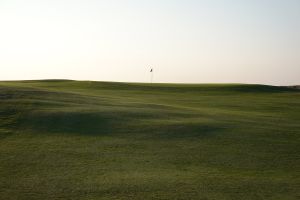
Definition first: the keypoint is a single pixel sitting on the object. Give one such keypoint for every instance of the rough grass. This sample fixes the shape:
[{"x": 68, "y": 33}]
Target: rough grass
[{"x": 63, "y": 139}]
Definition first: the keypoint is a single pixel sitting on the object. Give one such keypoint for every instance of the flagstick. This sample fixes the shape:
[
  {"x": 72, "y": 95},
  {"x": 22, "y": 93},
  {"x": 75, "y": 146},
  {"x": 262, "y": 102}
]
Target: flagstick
[
  {"x": 151, "y": 71},
  {"x": 152, "y": 76}
]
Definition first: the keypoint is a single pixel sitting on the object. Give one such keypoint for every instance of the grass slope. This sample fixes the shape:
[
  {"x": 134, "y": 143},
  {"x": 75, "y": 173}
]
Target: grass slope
[{"x": 63, "y": 139}]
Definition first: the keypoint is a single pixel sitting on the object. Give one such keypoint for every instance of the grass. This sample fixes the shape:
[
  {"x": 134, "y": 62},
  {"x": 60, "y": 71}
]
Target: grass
[{"x": 63, "y": 139}]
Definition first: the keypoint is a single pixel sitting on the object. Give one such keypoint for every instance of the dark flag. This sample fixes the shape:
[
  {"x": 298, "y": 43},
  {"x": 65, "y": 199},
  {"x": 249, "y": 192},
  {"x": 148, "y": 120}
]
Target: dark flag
[{"x": 151, "y": 70}]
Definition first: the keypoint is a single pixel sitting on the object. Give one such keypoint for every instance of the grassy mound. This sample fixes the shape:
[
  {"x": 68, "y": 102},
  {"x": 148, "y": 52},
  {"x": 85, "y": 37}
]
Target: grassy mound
[{"x": 62, "y": 139}]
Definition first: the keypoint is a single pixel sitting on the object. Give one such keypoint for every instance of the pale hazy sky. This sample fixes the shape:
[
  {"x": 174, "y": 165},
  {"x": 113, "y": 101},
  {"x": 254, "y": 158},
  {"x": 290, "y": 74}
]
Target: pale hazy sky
[{"x": 194, "y": 41}]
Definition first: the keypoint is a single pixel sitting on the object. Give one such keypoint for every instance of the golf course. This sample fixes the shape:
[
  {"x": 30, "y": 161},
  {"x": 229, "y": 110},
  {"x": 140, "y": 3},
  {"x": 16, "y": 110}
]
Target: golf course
[{"x": 86, "y": 140}]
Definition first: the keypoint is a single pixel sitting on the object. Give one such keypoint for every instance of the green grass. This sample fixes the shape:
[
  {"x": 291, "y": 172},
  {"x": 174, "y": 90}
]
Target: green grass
[{"x": 64, "y": 139}]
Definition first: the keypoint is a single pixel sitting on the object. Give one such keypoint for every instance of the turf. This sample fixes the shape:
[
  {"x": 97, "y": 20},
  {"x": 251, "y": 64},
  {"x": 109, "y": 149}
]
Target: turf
[{"x": 62, "y": 139}]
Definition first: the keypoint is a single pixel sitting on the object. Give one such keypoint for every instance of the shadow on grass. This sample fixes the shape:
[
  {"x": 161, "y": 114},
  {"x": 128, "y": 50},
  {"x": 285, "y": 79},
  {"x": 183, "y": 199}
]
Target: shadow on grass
[
  {"x": 69, "y": 122},
  {"x": 96, "y": 123}
]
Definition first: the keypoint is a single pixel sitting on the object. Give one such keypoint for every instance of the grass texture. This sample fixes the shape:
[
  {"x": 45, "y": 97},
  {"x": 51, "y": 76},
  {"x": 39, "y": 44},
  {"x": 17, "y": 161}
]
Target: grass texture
[{"x": 62, "y": 139}]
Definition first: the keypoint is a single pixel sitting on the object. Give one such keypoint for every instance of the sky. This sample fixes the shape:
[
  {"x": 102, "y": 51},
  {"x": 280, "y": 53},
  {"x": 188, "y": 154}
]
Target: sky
[{"x": 187, "y": 41}]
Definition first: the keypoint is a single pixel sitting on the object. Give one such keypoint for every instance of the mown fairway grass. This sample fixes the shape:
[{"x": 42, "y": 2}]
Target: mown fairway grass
[{"x": 96, "y": 140}]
